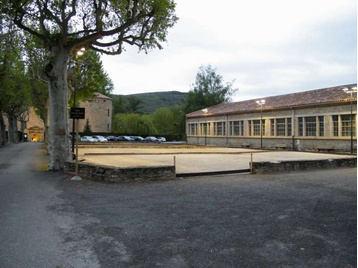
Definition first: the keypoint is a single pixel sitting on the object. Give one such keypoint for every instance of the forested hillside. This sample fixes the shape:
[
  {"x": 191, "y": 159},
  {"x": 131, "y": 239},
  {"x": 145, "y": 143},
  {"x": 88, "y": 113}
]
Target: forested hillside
[{"x": 155, "y": 100}]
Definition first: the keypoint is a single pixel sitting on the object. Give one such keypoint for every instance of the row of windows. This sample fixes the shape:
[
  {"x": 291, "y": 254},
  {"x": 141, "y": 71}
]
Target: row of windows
[{"x": 310, "y": 126}]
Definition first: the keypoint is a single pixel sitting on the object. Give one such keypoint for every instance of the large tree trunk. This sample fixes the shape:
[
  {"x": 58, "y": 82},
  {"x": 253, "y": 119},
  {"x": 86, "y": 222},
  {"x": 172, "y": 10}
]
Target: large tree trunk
[
  {"x": 12, "y": 129},
  {"x": 2, "y": 130},
  {"x": 46, "y": 126},
  {"x": 59, "y": 147}
]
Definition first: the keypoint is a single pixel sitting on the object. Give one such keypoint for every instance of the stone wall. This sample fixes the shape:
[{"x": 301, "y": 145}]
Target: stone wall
[
  {"x": 118, "y": 175},
  {"x": 297, "y": 165}
]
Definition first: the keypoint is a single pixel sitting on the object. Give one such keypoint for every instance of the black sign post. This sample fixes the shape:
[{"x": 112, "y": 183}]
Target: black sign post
[{"x": 75, "y": 114}]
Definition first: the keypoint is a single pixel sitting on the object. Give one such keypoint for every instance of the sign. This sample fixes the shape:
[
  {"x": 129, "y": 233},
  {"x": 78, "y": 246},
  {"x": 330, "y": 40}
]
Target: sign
[{"x": 77, "y": 113}]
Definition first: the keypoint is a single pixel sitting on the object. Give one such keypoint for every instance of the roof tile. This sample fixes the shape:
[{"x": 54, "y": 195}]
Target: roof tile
[{"x": 312, "y": 97}]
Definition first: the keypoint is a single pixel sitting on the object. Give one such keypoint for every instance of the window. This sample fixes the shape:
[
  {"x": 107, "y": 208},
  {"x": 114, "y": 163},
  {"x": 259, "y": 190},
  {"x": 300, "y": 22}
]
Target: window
[
  {"x": 219, "y": 128},
  {"x": 250, "y": 128},
  {"x": 289, "y": 127},
  {"x": 321, "y": 125},
  {"x": 192, "y": 129},
  {"x": 256, "y": 127},
  {"x": 281, "y": 127},
  {"x": 272, "y": 127},
  {"x": 311, "y": 126},
  {"x": 335, "y": 125},
  {"x": 205, "y": 128},
  {"x": 108, "y": 127},
  {"x": 237, "y": 128},
  {"x": 256, "y": 124},
  {"x": 300, "y": 126},
  {"x": 108, "y": 112},
  {"x": 346, "y": 125}
]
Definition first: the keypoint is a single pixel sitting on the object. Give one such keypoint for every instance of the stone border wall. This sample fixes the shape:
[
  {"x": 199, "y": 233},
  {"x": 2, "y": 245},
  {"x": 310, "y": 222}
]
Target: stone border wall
[
  {"x": 120, "y": 175},
  {"x": 297, "y": 165}
]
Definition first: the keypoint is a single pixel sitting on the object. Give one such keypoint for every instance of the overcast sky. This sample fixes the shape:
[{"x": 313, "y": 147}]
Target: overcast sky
[{"x": 269, "y": 47}]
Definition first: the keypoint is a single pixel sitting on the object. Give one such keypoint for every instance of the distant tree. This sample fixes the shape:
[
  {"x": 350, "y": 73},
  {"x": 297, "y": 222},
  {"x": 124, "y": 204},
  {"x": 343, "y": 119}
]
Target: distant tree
[
  {"x": 119, "y": 105},
  {"x": 134, "y": 104},
  {"x": 14, "y": 89},
  {"x": 208, "y": 90},
  {"x": 134, "y": 124},
  {"x": 87, "y": 130},
  {"x": 163, "y": 120},
  {"x": 178, "y": 119},
  {"x": 147, "y": 127}
]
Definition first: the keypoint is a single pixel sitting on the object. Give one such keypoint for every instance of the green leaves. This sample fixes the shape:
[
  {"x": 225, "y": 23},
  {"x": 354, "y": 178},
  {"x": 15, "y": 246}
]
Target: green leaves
[{"x": 208, "y": 90}]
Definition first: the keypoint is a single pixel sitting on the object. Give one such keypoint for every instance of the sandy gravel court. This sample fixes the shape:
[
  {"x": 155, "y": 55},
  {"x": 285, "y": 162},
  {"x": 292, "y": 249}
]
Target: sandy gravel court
[{"x": 193, "y": 159}]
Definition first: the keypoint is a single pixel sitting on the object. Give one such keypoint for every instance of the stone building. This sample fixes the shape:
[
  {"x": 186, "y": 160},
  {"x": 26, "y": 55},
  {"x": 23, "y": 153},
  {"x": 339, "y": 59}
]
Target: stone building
[
  {"x": 99, "y": 114},
  {"x": 301, "y": 121},
  {"x": 35, "y": 128}
]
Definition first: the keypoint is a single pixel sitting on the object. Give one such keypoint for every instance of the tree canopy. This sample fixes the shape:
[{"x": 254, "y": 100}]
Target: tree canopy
[
  {"x": 208, "y": 90},
  {"x": 105, "y": 26}
]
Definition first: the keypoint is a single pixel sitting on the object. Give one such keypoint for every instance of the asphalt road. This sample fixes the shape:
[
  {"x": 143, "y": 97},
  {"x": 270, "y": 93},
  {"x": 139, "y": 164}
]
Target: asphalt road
[{"x": 306, "y": 219}]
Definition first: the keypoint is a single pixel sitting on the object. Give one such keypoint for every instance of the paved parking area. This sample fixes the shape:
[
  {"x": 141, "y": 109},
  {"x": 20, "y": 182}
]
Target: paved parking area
[
  {"x": 295, "y": 220},
  {"x": 194, "y": 160}
]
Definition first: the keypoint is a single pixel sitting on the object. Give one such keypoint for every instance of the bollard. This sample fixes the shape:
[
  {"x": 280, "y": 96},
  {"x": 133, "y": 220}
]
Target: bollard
[
  {"x": 175, "y": 166},
  {"x": 251, "y": 163}
]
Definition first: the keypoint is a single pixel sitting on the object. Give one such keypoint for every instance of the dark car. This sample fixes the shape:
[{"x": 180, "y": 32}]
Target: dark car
[
  {"x": 123, "y": 138},
  {"x": 112, "y": 138},
  {"x": 137, "y": 138}
]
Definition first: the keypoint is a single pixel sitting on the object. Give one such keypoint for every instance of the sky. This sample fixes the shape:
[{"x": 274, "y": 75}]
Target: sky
[{"x": 267, "y": 47}]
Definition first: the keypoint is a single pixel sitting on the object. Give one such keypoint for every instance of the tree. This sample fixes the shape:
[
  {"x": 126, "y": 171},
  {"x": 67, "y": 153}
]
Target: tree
[
  {"x": 118, "y": 104},
  {"x": 36, "y": 60},
  {"x": 178, "y": 119},
  {"x": 163, "y": 120},
  {"x": 208, "y": 90},
  {"x": 86, "y": 75},
  {"x": 87, "y": 130},
  {"x": 133, "y": 104},
  {"x": 14, "y": 89},
  {"x": 104, "y": 26},
  {"x": 134, "y": 124}
]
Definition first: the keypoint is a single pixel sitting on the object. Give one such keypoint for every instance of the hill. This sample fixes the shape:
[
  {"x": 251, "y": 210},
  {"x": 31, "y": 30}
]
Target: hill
[{"x": 155, "y": 100}]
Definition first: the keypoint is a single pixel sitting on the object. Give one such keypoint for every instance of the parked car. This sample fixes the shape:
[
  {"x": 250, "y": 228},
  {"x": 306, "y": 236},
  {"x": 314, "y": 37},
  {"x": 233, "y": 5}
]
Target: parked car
[
  {"x": 137, "y": 138},
  {"x": 151, "y": 138},
  {"x": 161, "y": 139},
  {"x": 123, "y": 138},
  {"x": 100, "y": 138},
  {"x": 87, "y": 139},
  {"x": 112, "y": 138}
]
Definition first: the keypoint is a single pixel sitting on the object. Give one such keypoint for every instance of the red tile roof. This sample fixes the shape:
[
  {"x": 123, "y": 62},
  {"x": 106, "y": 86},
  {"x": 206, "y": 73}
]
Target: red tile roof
[
  {"x": 101, "y": 96},
  {"x": 312, "y": 97}
]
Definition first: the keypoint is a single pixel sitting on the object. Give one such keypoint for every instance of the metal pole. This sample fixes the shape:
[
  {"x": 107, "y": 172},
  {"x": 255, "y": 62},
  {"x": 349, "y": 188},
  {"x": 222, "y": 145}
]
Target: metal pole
[
  {"x": 73, "y": 122},
  {"x": 351, "y": 122},
  {"x": 206, "y": 128},
  {"x": 261, "y": 126},
  {"x": 76, "y": 177}
]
